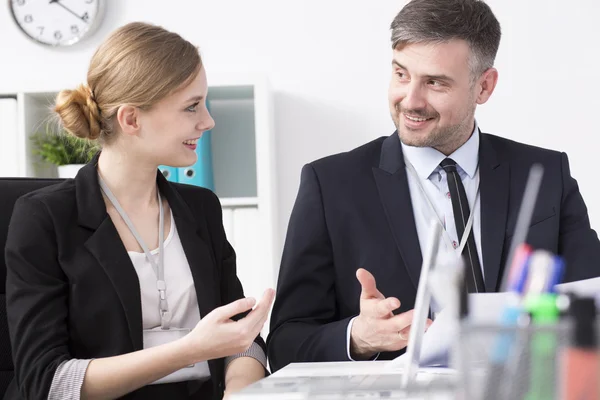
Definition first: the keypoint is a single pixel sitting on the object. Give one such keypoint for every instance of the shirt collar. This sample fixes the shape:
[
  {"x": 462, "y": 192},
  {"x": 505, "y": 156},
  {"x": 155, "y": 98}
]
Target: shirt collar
[{"x": 427, "y": 159}]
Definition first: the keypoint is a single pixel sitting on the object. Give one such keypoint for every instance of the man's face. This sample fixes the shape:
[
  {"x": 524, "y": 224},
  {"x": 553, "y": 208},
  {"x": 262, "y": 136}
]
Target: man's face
[{"x": 432, "y": 95}]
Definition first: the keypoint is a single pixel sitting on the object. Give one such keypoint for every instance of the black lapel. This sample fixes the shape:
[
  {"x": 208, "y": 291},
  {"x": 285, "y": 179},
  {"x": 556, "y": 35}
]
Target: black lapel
[
  {"x": 494, "y": 184},
  {"x": 392, "y": 185},
  {"x": 107, "y": 247},
  {"x": 196, "y": 243}
]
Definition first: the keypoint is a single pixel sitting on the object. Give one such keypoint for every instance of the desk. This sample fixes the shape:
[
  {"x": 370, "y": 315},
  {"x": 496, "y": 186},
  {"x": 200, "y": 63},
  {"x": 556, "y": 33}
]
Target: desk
[{"x": 349, "y": 380}]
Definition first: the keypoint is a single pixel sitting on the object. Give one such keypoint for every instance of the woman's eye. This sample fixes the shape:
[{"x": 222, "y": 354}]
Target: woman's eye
[{"x": 192, "y": 108}]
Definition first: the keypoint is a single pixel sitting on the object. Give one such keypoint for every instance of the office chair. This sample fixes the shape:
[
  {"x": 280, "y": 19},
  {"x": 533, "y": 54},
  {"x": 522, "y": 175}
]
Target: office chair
[{"x": 10, "y": 190}]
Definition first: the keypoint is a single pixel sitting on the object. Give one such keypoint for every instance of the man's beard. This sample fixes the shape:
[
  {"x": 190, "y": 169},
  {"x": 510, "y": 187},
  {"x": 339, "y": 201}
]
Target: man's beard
[{"x": 438, "y": 137}]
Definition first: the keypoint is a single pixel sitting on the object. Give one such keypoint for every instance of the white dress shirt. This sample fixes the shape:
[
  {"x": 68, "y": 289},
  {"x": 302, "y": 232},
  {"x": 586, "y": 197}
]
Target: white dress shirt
[{"x": 434, "y": 181}]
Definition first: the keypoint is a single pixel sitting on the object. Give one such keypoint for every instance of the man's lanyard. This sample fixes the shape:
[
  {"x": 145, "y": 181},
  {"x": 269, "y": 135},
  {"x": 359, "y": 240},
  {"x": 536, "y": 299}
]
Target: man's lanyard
[{"x": 445, "y": 235}]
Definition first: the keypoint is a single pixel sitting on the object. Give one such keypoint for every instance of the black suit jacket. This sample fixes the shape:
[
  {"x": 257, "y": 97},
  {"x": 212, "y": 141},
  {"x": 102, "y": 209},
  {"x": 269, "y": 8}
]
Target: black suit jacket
[
  {"x": 354, "y": 210},
  {"x": 72, "y": 291}
]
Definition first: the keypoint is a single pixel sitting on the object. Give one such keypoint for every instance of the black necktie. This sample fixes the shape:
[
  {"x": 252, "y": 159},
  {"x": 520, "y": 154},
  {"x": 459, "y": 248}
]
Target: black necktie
[{"x": 460, "y": 208}]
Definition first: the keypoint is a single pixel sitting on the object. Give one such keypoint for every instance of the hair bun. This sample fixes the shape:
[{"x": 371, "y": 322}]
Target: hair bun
[{"x": 79, "y": 112}]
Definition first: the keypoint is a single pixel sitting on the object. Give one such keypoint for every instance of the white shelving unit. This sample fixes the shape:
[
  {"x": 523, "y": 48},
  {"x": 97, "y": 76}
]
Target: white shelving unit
[{"x": 243, "y": 153}]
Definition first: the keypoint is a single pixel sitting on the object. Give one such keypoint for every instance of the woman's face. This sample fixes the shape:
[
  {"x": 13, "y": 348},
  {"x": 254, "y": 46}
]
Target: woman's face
[{"x": 170, "y": 130}]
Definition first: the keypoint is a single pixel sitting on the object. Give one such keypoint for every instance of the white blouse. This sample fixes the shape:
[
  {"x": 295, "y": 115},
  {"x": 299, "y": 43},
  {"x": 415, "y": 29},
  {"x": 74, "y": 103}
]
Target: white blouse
[{"x": 181, "y": 292}]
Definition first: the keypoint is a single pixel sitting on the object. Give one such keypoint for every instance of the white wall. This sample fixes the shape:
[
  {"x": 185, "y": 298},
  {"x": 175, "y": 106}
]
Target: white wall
[{"x": 329, "y": 64}]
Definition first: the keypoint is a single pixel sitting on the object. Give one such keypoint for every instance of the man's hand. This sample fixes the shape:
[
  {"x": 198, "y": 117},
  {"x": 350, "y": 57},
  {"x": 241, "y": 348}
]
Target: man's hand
[{"x": 376, "y": 328}]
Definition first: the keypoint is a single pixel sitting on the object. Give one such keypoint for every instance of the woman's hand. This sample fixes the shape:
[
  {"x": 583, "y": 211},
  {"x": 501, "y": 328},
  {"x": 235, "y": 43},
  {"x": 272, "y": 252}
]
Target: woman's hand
[{"x": 217, "y": 335}]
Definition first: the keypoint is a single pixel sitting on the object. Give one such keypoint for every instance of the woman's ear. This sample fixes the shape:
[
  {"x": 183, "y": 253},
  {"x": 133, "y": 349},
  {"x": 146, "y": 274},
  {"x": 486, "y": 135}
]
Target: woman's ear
[{"x": 128, "y": 119}]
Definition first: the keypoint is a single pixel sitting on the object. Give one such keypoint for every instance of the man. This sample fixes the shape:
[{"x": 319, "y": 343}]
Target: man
[{"x": 353, "y": 251}]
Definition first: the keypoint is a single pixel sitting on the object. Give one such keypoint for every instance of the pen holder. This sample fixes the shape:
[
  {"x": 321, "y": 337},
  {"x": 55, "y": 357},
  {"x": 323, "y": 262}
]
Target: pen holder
[{"x": 504, "y": 362}]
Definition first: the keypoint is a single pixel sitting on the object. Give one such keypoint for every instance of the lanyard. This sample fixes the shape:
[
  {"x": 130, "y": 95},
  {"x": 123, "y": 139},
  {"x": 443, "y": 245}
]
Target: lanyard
[
  {"x": 165, "y": 315},
  {"x": 445, "y": 235}
]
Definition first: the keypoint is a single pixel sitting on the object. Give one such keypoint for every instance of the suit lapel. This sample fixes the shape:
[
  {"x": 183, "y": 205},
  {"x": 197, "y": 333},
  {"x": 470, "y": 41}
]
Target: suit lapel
[
  {"x": 196, "y": 244},
  {"x": 197, "y": 251},
  {"x": 106, "y": 246},
  {"x": 392, "y": 185},
  {"x": 494, "y": 186}
]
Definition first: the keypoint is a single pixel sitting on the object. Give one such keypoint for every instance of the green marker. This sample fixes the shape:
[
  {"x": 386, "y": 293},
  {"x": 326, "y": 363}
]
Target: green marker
[{"x": 544, "y": 312}]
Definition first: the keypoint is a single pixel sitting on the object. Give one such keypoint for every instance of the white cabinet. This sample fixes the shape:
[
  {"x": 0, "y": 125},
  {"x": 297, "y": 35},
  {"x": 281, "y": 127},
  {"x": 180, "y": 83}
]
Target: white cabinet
[{"x": 243, "y": 162}]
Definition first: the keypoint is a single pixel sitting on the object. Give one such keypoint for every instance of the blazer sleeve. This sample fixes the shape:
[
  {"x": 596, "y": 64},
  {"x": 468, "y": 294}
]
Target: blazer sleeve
[
  {"x": 578, "y": 242},
  {"x": 305, "y": 326},
  {"x": 36, "y": 298}
]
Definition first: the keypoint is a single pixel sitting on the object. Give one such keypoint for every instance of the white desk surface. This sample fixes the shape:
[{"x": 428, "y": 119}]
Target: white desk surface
[{"x": 347, "y": 380}]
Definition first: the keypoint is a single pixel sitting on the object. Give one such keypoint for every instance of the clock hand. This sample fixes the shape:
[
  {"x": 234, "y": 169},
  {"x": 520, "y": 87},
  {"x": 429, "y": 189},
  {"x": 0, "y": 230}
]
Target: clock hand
[{"x": 68, "y": 9}]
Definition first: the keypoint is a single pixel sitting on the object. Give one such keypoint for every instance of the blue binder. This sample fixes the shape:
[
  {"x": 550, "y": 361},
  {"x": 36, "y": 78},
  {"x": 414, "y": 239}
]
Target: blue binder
[
  {"x": 201, "y": 173},
  {"x": 171, "y": 173}
]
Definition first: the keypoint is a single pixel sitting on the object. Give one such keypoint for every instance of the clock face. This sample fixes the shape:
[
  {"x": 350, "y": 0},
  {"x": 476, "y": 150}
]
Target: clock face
[{"x": 56, "y": 22}]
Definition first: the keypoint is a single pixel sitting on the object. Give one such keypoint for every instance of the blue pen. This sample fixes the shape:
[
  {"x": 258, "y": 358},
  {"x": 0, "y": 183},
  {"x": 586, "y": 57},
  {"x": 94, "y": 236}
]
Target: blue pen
[
  {"x": 556, "y": 278},
  {"x": 536, "y": 382},
  {"x": 520, "y": 269},
  {"x": 517, "y": 279},
  {"x": 541, "y": 275}
]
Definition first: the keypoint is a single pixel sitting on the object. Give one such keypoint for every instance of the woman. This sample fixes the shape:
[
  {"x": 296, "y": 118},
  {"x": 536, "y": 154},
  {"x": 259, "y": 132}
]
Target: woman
[{"x": 92, "y": 311}]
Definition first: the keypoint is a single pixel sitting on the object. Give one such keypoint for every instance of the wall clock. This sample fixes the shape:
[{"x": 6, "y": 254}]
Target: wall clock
[{"x": 57, "y": 22}]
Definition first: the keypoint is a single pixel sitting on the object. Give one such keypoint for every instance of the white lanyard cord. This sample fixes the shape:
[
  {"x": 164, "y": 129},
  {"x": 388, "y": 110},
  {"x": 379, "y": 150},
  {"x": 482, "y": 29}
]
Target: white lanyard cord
[
  {"x": 165, "y": 315},
  {"x": 468, "y": 227}
]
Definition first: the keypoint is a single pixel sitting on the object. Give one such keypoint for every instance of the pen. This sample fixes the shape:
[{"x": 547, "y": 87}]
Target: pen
[
  {"x": 539, "y": 275},
  {"x": 556, "y": 278},
  {"x": 545, "y": 313},
  {"x": 517, "y": 278}
]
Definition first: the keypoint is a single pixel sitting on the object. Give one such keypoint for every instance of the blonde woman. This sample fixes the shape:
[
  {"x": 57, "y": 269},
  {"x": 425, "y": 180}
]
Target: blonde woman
[{"x": 119, "y": 283}]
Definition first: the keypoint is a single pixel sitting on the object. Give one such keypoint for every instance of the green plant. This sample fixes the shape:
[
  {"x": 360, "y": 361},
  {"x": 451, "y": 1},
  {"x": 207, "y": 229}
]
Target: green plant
[{"x": 61, "y": 148}]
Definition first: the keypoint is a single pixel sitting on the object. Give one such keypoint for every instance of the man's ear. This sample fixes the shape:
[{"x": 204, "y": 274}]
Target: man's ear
[{"x": 486, "y": 85}]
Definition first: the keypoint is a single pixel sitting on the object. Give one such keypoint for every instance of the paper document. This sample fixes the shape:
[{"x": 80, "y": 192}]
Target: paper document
[
  {"x": 484, "y": 308},
  {"x": 587, "y": 287}
]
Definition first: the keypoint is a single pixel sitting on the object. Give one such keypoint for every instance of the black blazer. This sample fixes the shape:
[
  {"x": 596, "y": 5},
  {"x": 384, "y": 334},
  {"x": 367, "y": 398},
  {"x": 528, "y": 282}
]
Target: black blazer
[
  {"x": 354, "y": 210},
  {"x": 72, "y": 292}
]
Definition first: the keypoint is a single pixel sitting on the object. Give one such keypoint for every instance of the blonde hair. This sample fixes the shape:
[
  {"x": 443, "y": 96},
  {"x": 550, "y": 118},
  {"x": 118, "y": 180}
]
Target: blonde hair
[{"x": 139, "y": 64}]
